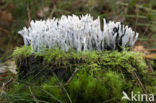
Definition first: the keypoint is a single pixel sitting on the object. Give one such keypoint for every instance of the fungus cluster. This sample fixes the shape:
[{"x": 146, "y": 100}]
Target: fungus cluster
[{"x": 78, "y": 32}]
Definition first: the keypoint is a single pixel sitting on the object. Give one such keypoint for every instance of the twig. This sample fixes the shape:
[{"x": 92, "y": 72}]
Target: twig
[
  {"x": 63, "y": 88},
  {"x": 150, "y": 66},
  {"x": 139, "y": 16},
  {"x": 29, "y": 15},
  {"x": 35, "y": 99},
  {"x": 139, "y": 81},
  {"x": 152, "y": 50},
  {"x": 139, "y": 6},
  {"x": 136, "y": 20},
  {"x": 5, "y": 84},
  {"x": 4, "y": 30},
  {"x": 52, "y": 12},
  {"x": 71, "y": 77}
]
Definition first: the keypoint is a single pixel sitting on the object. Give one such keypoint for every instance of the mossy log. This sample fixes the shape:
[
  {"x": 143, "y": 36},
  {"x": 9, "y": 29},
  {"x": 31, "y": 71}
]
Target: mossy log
[
  {"x": 55, "y": 76},
  {"x": 56, "y": 61}
]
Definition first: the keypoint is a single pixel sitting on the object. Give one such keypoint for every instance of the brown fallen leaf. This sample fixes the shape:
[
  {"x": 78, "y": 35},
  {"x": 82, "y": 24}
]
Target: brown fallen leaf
[
  {"x": 7, "y": 68},
  {"x": 43, "y": 12},
  {"x": 141, "y": 49},
  {"x": 11, "y": 66},
  {"x": 151, "y": 56},
  {"x": 6, "y": 17}
]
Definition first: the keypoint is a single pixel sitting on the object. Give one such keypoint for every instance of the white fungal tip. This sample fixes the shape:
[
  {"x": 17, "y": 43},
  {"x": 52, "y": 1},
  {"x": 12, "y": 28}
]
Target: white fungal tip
[{"x": 80, "y": 33}]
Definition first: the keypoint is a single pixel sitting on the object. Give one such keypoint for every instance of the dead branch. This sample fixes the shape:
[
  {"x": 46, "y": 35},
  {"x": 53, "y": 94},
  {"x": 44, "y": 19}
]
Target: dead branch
[
  {"x": 4, "y": 86},
  {"x": 71, "y": 77},
  {"x": 4, "y": 30},
  {"x": 139, "y": 82},
  {"x": 35, "y": 99},
  {"x": 29, "y": 15},
  {"x": 52, "y": 12}
]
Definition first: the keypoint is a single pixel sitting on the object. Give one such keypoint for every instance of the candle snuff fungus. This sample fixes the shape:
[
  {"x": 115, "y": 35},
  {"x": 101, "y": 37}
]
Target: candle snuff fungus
[
  {"x": 78, "y": 32},
  {"x": 77, "y": 57}
]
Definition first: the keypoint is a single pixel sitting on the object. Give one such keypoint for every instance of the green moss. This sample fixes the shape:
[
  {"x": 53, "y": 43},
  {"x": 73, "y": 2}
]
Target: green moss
[
  {"x": 54, "y": 54},
  {"x": 23, "y": 51},
  {"x": 105, "y": 87},
  {"x": 16, "y": 95},
  {"x": 101, "y": 75},
  {"x": 82, "y": 88},
  {"x": 125, "y": 62}
]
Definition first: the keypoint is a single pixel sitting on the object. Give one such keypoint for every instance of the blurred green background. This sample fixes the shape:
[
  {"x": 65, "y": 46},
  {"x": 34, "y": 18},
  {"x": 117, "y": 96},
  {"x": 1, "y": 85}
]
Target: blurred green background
[{"x": 15, "y": 14}]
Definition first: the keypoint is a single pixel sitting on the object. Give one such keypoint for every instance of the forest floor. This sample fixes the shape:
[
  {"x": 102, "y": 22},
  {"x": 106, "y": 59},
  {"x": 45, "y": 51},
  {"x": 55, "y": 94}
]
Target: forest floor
[{"x": 15, "y": 14}]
